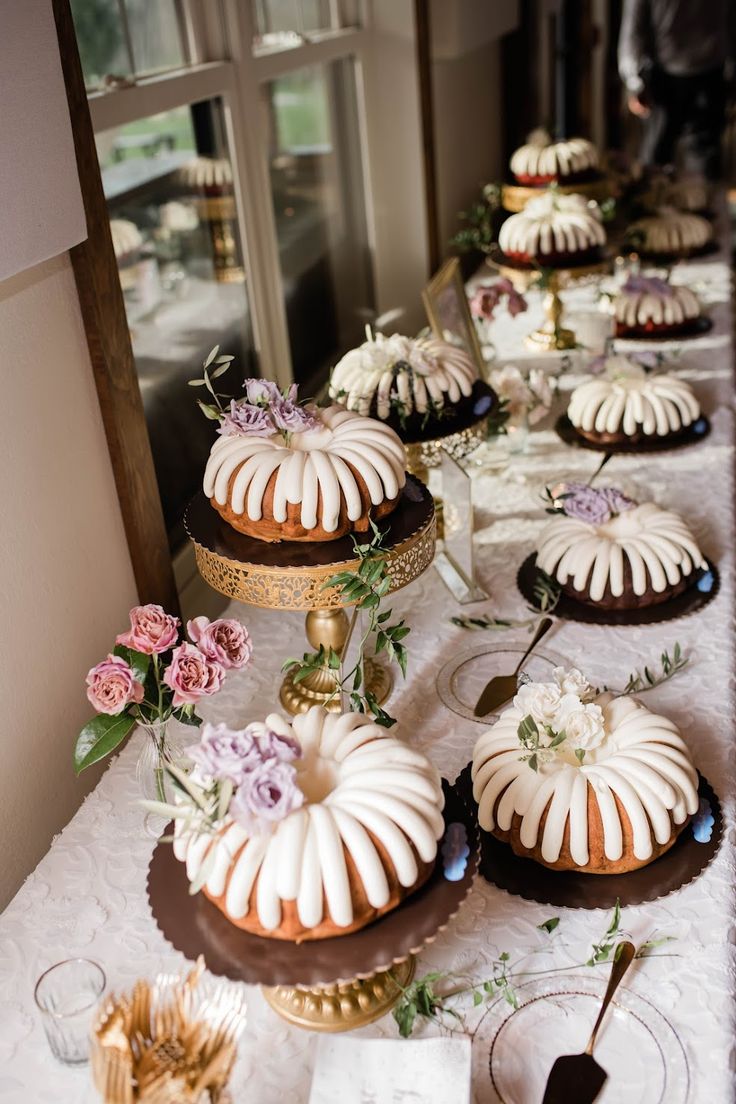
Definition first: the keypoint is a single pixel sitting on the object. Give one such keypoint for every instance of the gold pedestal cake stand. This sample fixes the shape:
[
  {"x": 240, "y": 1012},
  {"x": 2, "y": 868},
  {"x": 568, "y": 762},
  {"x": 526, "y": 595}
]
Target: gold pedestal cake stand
[
  {"x": 514, "y": 197},
  {"x": 552, "y": 336},
  {"x": 291, "y": 575}
]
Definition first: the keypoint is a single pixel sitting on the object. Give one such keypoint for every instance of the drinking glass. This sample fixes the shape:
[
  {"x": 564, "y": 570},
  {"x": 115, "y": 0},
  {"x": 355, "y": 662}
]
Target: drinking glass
[{"x": 67, "y": 995}]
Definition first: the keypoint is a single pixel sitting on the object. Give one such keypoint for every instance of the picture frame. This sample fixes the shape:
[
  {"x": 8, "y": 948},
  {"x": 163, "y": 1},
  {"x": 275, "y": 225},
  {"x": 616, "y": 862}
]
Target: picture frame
[{"x": 448, "y": 313}]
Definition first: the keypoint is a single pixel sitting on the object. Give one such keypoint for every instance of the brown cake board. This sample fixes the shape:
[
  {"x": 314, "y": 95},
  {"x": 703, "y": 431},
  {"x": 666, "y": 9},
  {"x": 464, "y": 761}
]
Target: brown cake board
[
  {"x": 523, "y": 877},
  {"x": 690, "y": 601},
  {"x": 194, "y": 926},
  {"x": 694, "y": 433}
]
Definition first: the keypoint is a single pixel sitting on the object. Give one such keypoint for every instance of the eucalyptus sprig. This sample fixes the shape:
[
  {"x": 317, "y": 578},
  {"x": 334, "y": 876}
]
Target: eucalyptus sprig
[
  {"x": 364, "y": 589},
  {"x": 547, "y": 593},
  {"x": 671, "y": 665},
  {"x": 429, "y": 998},
  {"x": 214, "y": 366}
]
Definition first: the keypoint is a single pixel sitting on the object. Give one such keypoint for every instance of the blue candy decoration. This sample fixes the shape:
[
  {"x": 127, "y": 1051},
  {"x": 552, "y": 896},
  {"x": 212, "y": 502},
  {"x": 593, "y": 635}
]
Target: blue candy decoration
[
  {"x": 703, "y": 822},
  {"x": 699, "y": 426},
  {"x": 455, "y": 851},
  {"x": 482, "y": 406},
  {"x": 706, "y": 582}
]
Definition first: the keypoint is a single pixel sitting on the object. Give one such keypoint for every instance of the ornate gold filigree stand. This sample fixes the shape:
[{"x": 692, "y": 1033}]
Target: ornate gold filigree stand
[
  {"x": 273, "y": 586},
  {"x": 514, "y": 197},
  {"x": 552, "y": 336},
  {"x": 344, "y": 1005}
]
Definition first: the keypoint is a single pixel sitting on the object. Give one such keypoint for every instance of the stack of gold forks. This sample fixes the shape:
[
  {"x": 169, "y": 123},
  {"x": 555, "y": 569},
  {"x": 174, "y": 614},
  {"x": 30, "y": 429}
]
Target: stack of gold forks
[{"x": 173, "y": 1042}]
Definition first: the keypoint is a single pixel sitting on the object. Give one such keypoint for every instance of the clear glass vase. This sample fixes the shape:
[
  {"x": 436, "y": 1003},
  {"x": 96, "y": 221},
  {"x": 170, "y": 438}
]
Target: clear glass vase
[{"x": 160, "y": 747}]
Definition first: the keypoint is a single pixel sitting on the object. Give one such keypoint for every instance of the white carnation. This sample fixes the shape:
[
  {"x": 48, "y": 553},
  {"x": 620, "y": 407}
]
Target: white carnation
[
  {"x": 572, "y": 681},
  {"x": 584, "y": 728},
  {"x": 541, "y": 700}
]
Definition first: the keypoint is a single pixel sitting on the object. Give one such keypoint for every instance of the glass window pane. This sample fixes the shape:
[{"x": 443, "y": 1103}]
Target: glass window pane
[
  {"x": 319, "y": 207},
  {"x": 177, "y": 242},
  {"x": 279, "y": 24},
  {"x": 126, "y": 38}
]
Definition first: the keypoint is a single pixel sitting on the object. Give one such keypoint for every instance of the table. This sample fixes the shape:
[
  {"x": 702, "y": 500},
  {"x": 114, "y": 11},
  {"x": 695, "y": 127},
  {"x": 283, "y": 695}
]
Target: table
[{"x": 87, "y": 895}]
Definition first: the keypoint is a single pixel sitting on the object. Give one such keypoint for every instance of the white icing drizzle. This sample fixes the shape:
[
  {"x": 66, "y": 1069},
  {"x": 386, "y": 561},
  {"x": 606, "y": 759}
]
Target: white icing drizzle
[
  {"x": 314, "y": 469},
  {"x": 637, "y": 308},
  {"x": 643, "y": 760},
  {"x": 654, "y": 405},
  {"x": 419, "y": 370},
  {"x": 356, "y": 779},
  {"x": 552, "y": 160},
  {"x": 671, "y": 231},
  {"x": 553, "y": 223},
  {"x": 659, "y": 548}
]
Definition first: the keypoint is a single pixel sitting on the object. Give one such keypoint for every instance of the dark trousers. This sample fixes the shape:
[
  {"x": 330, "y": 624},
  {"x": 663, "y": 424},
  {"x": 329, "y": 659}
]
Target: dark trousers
[{"x": 691, "y": 108}]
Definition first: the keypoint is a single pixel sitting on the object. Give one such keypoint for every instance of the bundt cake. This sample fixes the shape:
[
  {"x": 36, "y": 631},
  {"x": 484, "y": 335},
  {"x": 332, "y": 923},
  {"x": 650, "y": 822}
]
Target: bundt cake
[
  {"x": 542, "y": 161},
  {"x": 327, "y": 476},
  {"x": 357, "y": 824},
  {"x": 647, "y": 306},
  {"x": 607, "y": 551},
  {"x": 670, "y": 233},
  {"x": 554, "y": 229},
  {"x": 582, "y": 781},
  {"x": 410, "y": 383},
  {"x": 627, "y": 404}
]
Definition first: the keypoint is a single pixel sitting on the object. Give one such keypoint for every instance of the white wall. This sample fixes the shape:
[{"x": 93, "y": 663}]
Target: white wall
[{"x": 66, "y": 581}]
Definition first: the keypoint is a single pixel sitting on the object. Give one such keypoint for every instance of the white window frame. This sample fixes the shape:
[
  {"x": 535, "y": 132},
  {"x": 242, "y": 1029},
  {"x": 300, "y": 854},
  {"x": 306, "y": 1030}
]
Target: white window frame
[{"x": 226, "y": 30}]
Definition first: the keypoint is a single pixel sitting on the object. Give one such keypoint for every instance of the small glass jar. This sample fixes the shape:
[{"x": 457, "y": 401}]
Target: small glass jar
[{"x": 67, "y": 995}]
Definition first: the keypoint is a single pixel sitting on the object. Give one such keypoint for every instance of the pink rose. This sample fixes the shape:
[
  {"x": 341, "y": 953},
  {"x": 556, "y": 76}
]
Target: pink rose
[
  {"x": 111, "y": 685},
  {"x": 223, "y": 641},
  {"x": 191, "y": 675},
  {"x": 152, "y": 630}
]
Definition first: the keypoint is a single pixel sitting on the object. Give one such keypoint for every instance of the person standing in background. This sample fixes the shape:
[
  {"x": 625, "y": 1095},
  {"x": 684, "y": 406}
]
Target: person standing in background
[{"x": 672, "y": 58}]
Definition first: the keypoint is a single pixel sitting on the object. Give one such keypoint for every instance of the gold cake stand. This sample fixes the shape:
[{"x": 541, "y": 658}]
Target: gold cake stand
[
  {"x": 514, "y": 197},
  {"x": 552, "y": 336},
  {"x": 292, "y": 575}
]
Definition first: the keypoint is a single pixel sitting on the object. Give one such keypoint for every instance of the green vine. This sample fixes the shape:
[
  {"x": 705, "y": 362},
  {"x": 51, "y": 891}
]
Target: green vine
[
  {"x": 365, "y": 589},
  {"x": 547, "y": 593},
  {"x": 432, "y": 996}
]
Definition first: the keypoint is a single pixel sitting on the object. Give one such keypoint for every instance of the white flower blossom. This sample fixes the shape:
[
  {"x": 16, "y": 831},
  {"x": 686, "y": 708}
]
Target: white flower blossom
[
  {"x": 540, "y": 700},
  {"x": 584, "y": 728},
  {"x": 572, "y": 681}
]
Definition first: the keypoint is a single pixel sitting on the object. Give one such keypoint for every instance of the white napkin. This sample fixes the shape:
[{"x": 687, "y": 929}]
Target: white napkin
[{"x": 391, "y": 1071}]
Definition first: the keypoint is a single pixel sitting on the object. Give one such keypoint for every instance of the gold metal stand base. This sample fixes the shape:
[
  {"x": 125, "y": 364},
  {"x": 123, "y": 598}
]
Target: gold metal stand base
[
  {"x": 345, "y": 1005},
  {"x": 329, "y": 628},
  {"x": 550, "y": 341}
]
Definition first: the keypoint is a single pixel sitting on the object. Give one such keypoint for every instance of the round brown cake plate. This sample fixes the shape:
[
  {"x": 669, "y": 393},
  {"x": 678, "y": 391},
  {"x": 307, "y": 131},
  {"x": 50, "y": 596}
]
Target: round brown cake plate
[
  {"x": 568, "y": 272},
  {"x": 694, "y": 433},
  {"x": 667, "y": 259},
  {"x": 471, "y": 411},
  {"x": 515, "y": 196},
  {"x": 704, "y": 588},
  {"x": 696, "y": 328},
  {"x": 194, "y": 926},
  {"x": 522, "y": 877},
  {"x": 291, "y": 574}
]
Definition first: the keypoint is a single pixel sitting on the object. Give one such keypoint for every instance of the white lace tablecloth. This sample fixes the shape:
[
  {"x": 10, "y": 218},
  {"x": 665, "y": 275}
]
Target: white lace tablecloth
[{"x": 87, "y": 897}]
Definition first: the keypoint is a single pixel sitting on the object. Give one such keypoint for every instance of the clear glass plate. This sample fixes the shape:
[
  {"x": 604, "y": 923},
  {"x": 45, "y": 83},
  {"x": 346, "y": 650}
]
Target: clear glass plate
[
  {"x": 514, "y": 1049},
  {"x": 461, "y": 680}
]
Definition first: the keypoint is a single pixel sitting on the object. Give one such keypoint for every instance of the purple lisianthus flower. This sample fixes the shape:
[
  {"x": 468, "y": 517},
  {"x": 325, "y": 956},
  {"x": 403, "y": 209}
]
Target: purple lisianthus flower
[
  {"x": 266, "y": 796},
  {"x": 224, "y": 752},
  {"x": 292, "y": 418},
  {"x": 283, "y": 748},
  {"x": 247, "y": 420},
  {"x": 648, "y": 285},
  {"x": 586, "y": 504},
  {"x": 261, "y": 392},
  {"x": 618, "y": 502}
]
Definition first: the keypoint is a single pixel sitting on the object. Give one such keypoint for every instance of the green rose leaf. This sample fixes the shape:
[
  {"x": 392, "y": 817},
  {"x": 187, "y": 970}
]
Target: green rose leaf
[
  {"x": 137, "y": 661},
  {"x": 187, "y": 716},
  {"x": 100, "y": 737}
]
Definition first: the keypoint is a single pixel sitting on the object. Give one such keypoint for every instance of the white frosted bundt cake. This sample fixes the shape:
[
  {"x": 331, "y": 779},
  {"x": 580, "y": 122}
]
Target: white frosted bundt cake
[
  {"x": 554, "y": 229},
  {"x": 687, "y": 193},
  {"x": 628, "y": 405},
  {"x": 411, "y": 383},
  {"x": 607, "y": 551},
  {"x": 542, "y": 161},
  {"x": 353, "y": 821},
  {"x": 285, "y": 472},
  {"x": 670, "y": 233},
  {"x": 647, "y": 306},
  {"x": 612, "y": 794}
]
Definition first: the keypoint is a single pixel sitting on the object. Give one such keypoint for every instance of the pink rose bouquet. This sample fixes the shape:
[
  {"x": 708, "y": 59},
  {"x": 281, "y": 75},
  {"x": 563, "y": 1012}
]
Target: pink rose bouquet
[{"x": 152, "y": 675}]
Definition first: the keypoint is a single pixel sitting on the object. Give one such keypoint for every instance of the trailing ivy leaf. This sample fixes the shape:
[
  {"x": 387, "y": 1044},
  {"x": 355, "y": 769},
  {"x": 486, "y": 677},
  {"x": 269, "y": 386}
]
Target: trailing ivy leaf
[
  {"x": 99, "y": 737},
  {"x": 549, "y": 925},
  {"x": 137, "y": 661}
]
